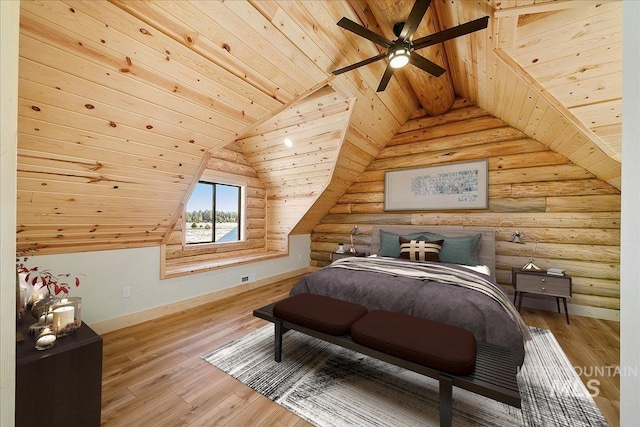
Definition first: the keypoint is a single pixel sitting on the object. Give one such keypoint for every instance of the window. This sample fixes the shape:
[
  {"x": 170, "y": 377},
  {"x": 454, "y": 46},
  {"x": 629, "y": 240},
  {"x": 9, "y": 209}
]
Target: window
[{"x": 214, "y": 213}]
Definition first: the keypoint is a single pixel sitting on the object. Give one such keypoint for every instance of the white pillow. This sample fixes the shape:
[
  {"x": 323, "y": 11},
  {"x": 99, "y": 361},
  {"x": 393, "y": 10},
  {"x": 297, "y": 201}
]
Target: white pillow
[{"x": 484, "y": 269}]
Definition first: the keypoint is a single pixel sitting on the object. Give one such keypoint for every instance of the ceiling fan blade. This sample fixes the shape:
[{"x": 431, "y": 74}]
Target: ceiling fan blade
[
  {"x": 385, "y": 78},
  {"x": 426, "y": 65},
  {"x": 360, "y": 64},
  {"x": 451, "y": 33},
  {"x": 415, "y": 16},
  {"x": 358, "y": 29}
]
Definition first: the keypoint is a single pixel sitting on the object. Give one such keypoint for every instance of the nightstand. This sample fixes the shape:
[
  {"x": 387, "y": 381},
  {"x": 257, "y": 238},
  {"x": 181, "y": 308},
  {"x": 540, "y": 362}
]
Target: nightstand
[
  {"x": 541, "y": 283},
  {"x": 61, "y": 386},
  {"x": 335, "y": 255}
]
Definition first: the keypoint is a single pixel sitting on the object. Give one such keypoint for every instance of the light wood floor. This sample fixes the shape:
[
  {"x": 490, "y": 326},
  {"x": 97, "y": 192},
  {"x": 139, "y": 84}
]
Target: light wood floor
[{"x": 153, "y": 373}]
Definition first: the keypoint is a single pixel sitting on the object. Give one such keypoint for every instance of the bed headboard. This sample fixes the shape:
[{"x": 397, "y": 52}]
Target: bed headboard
[{"x": 487, "y": 242}]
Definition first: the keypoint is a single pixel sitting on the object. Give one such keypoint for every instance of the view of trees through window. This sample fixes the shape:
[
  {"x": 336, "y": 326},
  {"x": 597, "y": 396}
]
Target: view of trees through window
[{"x": 213, "y": 213}]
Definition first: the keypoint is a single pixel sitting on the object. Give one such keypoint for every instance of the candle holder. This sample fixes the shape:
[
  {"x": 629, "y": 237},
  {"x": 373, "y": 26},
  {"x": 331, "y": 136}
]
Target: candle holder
[
  {"x": 42, "y": 307},
  {"x": 63, "y": 320},
  {"x": 67, "y": 315},
  {"x": 77, "y": 305}
]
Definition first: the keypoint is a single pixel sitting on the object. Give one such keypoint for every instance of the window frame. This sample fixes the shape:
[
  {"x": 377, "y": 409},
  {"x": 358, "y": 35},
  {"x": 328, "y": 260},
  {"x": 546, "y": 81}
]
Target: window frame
[{"x": 211, "y": 180}]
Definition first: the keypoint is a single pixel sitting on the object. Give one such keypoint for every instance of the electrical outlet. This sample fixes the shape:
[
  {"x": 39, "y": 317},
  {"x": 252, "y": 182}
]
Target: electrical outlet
[
  {"x": 126, "y": 292},
  {"x": 248, "y": 278}
]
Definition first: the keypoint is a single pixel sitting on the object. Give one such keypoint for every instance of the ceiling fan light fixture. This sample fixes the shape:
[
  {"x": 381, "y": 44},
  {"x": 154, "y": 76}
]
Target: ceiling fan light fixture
[
  {"x": 402, "y": 50},
  {"x": 399, "y": 57}
]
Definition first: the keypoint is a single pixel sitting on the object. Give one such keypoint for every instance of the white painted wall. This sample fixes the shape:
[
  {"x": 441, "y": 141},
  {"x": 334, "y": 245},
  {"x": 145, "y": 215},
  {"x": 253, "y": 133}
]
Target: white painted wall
[
  {"x": 630, "y": 226},
  {"x": 105, "y": 273},
  {"x": 9, "y": 25}
]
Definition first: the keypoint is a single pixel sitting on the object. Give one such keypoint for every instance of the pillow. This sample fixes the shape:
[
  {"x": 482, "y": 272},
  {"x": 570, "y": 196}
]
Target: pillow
[
  {"x": 484, "y": 269},
  {"x": 389, "y": 244},
  {"x": 419, "y": 250},
  {"x": 459, "y": 250}
]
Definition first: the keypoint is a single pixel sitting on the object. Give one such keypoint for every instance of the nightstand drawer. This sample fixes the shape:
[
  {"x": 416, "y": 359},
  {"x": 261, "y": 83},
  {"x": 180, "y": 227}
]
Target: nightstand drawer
[{"x": 560, "y": 286}]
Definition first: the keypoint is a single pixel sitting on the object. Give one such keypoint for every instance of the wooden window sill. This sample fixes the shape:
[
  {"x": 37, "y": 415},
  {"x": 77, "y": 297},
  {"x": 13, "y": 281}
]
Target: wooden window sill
[{"x": 209, "y": 265}]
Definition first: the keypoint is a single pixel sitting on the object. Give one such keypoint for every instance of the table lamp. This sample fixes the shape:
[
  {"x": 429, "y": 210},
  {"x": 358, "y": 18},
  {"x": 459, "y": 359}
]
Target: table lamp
[
  {"x": 530, "y": 265},
  {"x": 355, "y": 230},
  {"x": 517, "y": 238}
]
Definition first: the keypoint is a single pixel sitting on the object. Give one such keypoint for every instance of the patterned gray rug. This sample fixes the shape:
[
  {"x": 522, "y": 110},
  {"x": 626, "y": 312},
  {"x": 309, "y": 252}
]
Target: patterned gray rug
[{"x": 331, "y": 386}]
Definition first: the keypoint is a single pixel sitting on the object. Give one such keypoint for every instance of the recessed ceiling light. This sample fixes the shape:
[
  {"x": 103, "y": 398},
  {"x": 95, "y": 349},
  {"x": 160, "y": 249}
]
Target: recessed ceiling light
[{"x": 288, "y": 142}]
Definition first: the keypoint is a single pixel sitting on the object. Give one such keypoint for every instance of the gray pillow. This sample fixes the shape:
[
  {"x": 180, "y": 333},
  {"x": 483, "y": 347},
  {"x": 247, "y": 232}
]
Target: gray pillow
[
  {"x": 390, "y": 243},
  {"x": 459, "y": 250}
]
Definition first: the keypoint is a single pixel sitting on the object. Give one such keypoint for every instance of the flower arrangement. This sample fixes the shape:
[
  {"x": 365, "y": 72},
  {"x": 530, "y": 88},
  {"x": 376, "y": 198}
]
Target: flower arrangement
[
  {"x": 35, "y": 276},
  {"x": 37, "y": 290}
]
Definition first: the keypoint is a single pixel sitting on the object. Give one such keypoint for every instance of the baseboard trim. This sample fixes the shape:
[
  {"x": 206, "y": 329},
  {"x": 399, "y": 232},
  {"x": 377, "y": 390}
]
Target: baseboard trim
[
  {"x": 574, "y": 309},
  {"x": 156, "y": 312}
]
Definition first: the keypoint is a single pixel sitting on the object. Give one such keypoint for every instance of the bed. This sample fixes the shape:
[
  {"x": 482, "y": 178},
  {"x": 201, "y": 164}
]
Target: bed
[{"x": 444, "y": 292}]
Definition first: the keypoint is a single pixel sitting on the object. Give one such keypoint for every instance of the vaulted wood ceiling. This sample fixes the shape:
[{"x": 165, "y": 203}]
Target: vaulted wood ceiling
[{"x": 120, "y": 101}]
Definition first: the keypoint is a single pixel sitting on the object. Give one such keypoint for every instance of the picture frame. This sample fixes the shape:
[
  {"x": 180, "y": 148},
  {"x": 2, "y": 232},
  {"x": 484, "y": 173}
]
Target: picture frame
[{"x": 459, "y": 185}]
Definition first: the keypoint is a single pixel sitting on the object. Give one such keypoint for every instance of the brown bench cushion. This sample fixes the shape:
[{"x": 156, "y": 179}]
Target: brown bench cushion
[
  {"x": 437, "y": 345},
  {"x": 329, "y": 315}
]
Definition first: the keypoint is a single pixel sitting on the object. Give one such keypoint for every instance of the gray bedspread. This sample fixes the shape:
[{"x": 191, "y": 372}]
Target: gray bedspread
[{"x": 428, "y": 298}]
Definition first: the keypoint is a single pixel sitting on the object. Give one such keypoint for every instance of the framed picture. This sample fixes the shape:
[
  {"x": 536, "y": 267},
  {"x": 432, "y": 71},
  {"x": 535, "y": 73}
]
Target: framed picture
[{"x": 462, "y": 185}]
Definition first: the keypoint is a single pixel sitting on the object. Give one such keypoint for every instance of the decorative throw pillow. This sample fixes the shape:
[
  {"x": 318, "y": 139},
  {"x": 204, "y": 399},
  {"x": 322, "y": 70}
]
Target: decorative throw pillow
[
  {"x": 389, "y": 245},
  {"x": 420, "y": 250},
  {"x": 459, "y": 250}
]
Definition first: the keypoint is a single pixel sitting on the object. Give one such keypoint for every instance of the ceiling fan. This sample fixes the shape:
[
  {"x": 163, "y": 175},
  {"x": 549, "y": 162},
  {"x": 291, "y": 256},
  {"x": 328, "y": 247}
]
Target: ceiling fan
[{"x": 401, "y": 51}]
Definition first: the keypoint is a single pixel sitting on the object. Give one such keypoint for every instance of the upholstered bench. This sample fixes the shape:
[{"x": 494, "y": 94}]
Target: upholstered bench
[
  {"x": 328, "y": 315},
  {"x": 488, "y": 369},
  {"x": 443, "y": 347}
]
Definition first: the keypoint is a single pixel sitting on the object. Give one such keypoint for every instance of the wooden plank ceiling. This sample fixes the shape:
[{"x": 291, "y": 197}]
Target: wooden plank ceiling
[
  {"x": 120, "y": 102},
  {"x": 295, "y": 177}
]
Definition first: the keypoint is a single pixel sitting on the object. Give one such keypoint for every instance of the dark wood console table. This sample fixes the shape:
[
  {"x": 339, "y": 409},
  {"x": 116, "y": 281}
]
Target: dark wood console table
[{"x": 61, "y": 386}]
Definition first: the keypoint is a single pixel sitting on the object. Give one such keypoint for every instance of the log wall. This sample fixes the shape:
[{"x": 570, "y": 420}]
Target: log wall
[
  {"x": 575, "y": 216},
  {"x": 228, "y": 165}
]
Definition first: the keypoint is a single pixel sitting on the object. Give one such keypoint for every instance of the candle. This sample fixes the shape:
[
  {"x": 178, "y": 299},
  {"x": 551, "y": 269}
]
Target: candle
[{"x": 62, "y": 316}]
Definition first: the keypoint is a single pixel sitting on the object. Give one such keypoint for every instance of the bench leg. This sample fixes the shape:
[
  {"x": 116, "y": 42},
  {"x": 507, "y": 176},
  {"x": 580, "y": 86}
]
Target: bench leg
[
  {"x": 446, "y": 393},
  {"x": 278, "y": 340}
]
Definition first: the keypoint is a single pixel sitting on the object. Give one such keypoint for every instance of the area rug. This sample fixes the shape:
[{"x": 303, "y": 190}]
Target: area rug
[{"x": 331, "y": 386}]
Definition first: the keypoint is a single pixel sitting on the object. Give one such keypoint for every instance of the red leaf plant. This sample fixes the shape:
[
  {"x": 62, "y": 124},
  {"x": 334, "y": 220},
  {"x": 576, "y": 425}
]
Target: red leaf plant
[{"x": 59, "y": 283}]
